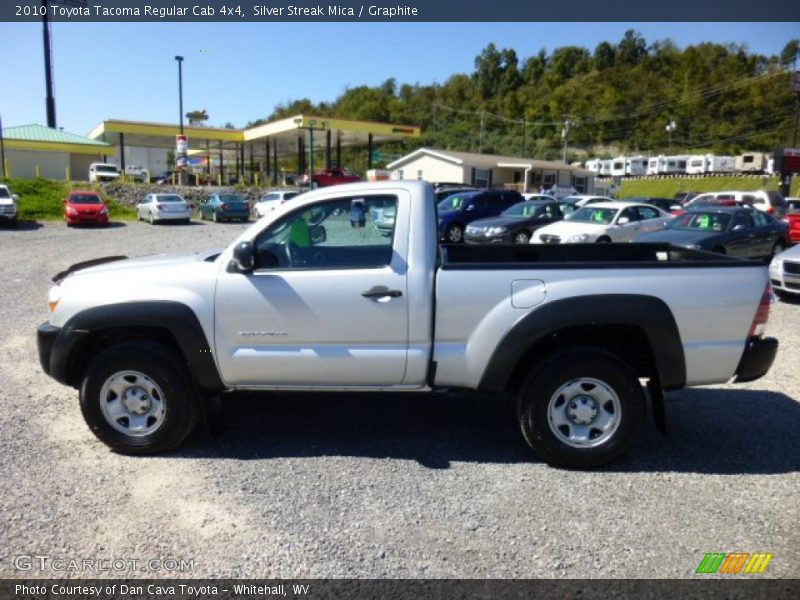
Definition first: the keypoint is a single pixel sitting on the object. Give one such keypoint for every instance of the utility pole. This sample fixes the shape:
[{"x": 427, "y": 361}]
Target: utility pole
[
  {"x": 2, "y": 149},
  {"x": 565, "y": 135},
  {"x": 796, "y": 100},
  {"x": 480, "y": 139},
  {"x": 50, "y": 101},
  {"x": 524, "y": 137}
]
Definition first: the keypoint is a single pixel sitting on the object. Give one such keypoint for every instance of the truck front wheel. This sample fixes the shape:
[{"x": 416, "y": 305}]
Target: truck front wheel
[
  {"x": 582, "y": 408},
  {"x": 136, "y": 398}
]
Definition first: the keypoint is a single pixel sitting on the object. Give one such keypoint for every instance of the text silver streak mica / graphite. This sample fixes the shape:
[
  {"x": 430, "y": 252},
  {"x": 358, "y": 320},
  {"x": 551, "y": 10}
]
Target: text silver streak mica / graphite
[{"x": 473, "y": 317}]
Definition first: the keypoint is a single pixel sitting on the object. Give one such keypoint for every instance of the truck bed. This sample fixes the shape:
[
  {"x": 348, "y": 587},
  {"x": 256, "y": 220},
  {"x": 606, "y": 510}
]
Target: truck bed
[{"x": 561, "y": 256}]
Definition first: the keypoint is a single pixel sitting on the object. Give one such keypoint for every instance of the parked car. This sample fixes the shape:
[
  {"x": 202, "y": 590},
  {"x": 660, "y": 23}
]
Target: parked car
[
  {"x": 793, "y": 219},
  {"x": 684, "y": 197},
  {"x": 768, "y": 201},
  {"x": 784, "y": 272},
  {"x": 272, "y": 200},
  {"x": 334, "y": 176},
  {"x": 614, "y": 221},
  {"x": 85, "y": 206},
  {"x": 167, "y": 178},
  {"x": 8, "y": 206},
  {"x": 163, "y": 207},
  {"x": 137, "y": 173},
  {"x": 668, "y": 205},
  {"x": 103, "y": 172},
  {"x": 560, "y": 190},
  {"x": 580, "y": 200},
  {"x": 458, "y": 210},
  {"x": 538, "y": 197},
  {"x": 225, "y": 207},
  {"x": 733, "y": 230},
  {"x": 384, "y": 219},
  {"x": 515, "y": 225},
  {"x": 146, "y": 341},
  {"x": 445, "y": 191}
]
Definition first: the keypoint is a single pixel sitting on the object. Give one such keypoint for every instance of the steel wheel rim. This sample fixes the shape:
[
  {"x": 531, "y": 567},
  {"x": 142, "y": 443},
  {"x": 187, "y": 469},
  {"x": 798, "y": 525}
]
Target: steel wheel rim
[
  {"x": 132, "y": 403},
  {"x": 584, "y": 413}
]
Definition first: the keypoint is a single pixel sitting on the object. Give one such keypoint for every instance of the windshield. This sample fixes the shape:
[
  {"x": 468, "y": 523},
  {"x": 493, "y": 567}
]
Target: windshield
[
  {"x": 169, "y": 199},
  {"x": 521, "y": 209},
  {"x": 702, "y": 221},
  {"x": 593, "y": 214},
  {"x": 85, "y": 199},
  {"x": 106, "y": 168},
  {"x": 4, "y": 193},
  {"x": 454, "y": 202}
]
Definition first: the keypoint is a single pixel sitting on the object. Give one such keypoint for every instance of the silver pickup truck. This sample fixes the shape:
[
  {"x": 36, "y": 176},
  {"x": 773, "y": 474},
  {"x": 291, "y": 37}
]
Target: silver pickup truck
[{"x": 308, "y": 299}]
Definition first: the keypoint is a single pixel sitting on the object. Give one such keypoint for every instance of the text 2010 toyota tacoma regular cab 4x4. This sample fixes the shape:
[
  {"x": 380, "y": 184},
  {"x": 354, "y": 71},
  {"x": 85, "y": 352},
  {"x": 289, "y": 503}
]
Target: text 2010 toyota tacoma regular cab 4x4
[{"x": 303, "y": 300}]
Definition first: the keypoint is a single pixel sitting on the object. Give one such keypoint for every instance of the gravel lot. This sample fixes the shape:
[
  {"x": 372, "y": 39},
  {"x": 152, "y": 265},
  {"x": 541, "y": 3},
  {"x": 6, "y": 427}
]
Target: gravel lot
[{"x": 400, "y": 486}]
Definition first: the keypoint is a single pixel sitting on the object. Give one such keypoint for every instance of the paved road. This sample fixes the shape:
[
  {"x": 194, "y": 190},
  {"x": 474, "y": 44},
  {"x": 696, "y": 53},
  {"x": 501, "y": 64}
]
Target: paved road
[{"x": 312, "y": 485}]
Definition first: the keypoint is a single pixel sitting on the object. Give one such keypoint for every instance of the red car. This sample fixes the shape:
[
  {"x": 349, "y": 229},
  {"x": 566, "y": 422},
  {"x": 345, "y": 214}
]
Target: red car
[
  {"x": 330, "y": 177},
  {"x": 85, "y": 206},
  {"x": 793, "y": 219}
]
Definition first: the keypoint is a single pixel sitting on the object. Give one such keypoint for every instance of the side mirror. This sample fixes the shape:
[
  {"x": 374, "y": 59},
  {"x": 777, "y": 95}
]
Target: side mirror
[
  {"x": 243, "y": 258},
  {"x": 738, "y": 227},
  {"x": 15, "y": 196},
  {"x": 623, "y": 221},
  {"x": 318, "y": 234},
  {"x": 470, "y": 207}
]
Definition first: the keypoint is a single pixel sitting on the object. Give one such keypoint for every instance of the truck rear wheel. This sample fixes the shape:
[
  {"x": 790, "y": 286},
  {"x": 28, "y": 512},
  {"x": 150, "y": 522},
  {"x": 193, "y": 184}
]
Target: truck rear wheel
[
  {"x": 582, "y": 408},
  {"x": 136, "y": 398}
]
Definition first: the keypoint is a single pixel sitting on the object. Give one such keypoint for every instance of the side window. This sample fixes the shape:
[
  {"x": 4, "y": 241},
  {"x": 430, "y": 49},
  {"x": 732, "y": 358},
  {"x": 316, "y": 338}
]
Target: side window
[
  {"x": 630, "y": 214},
  {"x": 645, "y": 212},
  {"x": 550, "y": 211},
  {"x": 760, "y": 219},
  {"x": 325, "y": 235},
  {"x": 743, "y": 219}
]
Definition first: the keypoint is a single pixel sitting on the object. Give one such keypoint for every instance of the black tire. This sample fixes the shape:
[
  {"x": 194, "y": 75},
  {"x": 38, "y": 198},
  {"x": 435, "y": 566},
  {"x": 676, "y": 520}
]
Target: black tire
[
  {"x": 567, "y": 368},
  {"x": 604, "y": 240},
  {"x": 161, "y": 365},
  {"x": 521, "y": 237},
  {"x": 719, "y": 250},
  {"x": 454, "y": 234}
]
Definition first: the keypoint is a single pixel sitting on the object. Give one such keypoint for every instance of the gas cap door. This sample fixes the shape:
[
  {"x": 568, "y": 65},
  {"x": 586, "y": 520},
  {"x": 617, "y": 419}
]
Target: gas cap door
[{"x": 527, "y": 293}]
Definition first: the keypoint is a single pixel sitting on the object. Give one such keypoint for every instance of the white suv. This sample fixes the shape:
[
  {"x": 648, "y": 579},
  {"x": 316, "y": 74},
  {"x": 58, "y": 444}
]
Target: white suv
[
  {"x": 272, "y": 200},
  {"x": 8, "y": 206},
  {"x": 768, "y": 201},
  {"x": 103, "y": 172}
]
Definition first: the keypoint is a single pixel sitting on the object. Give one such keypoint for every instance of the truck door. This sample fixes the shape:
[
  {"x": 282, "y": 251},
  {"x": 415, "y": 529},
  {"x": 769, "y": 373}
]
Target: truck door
[{"x": 326, "y": 304}]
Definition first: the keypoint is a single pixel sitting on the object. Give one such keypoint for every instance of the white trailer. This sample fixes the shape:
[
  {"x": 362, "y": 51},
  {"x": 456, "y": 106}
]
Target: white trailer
[
  {"x": 700, "y": 164},
  {"x": 636, "y": 165},
  {"x": 593, "y": 165},
  {"x": 605, "y": 167},
  {"x": 618, "y": 167},
  {"x": 655, "y": 164},
  {"x": 674, "y": 165},
  {"x": 752, "y": 162},
  {"x": 697, "y": 164}
]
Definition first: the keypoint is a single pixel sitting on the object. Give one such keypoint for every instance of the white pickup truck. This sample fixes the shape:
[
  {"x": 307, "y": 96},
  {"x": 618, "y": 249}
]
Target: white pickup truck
[{"x": 306, "y": 300}]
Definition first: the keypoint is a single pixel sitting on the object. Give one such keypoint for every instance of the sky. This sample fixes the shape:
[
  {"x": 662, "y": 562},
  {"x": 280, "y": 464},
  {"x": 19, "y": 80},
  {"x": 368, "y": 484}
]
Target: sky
[{"x": 240, "y": 72}]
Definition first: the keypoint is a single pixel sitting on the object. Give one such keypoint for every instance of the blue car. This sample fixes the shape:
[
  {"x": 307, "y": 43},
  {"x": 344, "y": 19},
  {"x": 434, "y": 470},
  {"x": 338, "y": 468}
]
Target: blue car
[
  {"x": 219, "y": 207},
  {"x": 459, "y": 209}
]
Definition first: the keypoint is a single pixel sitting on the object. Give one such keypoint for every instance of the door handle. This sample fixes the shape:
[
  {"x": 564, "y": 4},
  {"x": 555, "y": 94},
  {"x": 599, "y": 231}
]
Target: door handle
[{"x": 381, "y": 291}]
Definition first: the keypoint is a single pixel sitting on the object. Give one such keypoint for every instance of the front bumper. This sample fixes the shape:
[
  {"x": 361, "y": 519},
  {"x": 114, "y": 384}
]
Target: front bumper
[
  {"x": 80, "y": 219},
  {"x": 759, "y": 354},
  {"x": 503, "y": 238},
  {"x": 46, "y": 335},
  {"x": 56, "y": 346}
]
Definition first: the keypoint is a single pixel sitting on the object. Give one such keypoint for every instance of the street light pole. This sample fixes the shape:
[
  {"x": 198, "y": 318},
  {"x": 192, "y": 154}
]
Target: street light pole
[
  {"x": 671, "y": 126},
  {"x": 50, "y": 101}
]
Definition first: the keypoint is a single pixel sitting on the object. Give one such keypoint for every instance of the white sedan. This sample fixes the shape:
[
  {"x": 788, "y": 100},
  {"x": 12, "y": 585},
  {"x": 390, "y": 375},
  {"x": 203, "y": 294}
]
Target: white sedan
[
  {"x": 603, "y": 222},
  {"x": 164, "y": 207}
]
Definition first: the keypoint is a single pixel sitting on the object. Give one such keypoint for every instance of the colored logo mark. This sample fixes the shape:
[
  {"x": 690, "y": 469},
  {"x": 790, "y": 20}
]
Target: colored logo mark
[{"x": 734, "y": 562}]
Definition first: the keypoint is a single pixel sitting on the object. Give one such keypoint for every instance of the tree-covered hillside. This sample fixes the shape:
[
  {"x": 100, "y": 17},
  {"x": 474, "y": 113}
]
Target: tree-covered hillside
[{"x": 617, "y": 97}]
